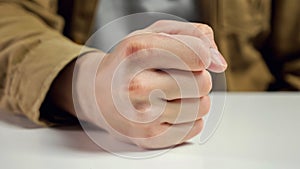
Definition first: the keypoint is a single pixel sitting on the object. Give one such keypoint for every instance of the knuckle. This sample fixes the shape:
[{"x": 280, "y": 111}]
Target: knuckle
[
  {"x": 205, "y": 83},
  {"x": 135, "y": 85},
  {"x": 206, "y": 28},
  {"x": 196, "y": 129},
  {"x": 199, "y": 62},
  {"x": 142, "y": 131},
  {"x": 198, "y": 126},
  {"x": 159, "y": 23},
  {"x": 208, "y": 79},
  {"x": 150, "y": 130},
  {"x": 204, "y": 106},
  {"x": 133, "y": 45},
  {"x": 138, "y": 86}
]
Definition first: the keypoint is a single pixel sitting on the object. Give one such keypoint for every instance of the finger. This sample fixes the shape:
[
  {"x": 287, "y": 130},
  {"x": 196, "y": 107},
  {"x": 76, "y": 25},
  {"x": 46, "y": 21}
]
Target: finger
[
  {"x": 171, "y": 135},
  {"x": 218, "y": 63},
  {"x": 197, "y": 128},
  {"x": 162, "y": 51},
  {"x": 173, "y": 27},
  {"x": 198, "y": 47},
  {"x": 186, "y": 84},
  {"x": 202, "y": 31},
  {"x": 185, "y": 110},
  {"x": 175, "y": 84},
  {"x": 213, "y": 62}
]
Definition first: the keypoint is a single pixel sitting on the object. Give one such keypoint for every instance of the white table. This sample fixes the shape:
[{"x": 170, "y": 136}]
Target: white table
[{"x": 258, "y": 131}]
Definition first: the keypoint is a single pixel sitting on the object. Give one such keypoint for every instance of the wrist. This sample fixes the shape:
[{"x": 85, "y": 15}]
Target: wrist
[{"x": 84, "y": 76}]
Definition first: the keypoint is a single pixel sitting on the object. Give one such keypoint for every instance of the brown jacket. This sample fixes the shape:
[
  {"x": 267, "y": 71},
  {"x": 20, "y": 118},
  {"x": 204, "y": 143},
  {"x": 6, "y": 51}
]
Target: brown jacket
[{"x": 259, "y": 38}]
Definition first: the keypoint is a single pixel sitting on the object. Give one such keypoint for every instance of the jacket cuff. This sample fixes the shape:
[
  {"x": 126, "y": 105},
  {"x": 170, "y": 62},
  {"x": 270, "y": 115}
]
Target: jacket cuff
[{"x": 35, "y": 75}]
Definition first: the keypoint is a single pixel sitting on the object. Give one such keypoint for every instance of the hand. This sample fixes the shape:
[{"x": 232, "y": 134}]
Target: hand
[{"x": 152, "y": 89}]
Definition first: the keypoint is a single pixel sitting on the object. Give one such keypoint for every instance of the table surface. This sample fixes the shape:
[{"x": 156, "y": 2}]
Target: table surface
[{"x": 257, "y": 131}]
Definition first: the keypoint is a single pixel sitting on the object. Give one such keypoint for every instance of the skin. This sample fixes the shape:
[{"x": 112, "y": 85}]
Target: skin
[{"x": 193, "y": 43}]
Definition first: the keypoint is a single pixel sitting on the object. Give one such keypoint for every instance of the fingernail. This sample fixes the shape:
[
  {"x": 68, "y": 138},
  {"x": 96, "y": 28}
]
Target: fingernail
[{"x": 217, "y": 57}]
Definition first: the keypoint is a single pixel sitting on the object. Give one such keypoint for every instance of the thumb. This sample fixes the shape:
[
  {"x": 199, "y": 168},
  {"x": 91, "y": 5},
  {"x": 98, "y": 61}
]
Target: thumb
[{"x": 218, "y": 63}]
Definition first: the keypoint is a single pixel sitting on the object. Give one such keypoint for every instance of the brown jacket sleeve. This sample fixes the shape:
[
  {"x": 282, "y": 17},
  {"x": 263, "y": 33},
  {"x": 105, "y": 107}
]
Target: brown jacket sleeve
[
  {"x": 261, "y": 42},
  {"x": 32, "y": 53},
  {"x": 285, "y": 43},
  {"x": 242, "y": 27}
]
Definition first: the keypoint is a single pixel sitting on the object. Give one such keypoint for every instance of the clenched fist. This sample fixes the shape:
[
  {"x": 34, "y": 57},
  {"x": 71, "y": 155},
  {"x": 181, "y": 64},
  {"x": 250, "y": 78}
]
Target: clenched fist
[{"x": 152, "y": 88}]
